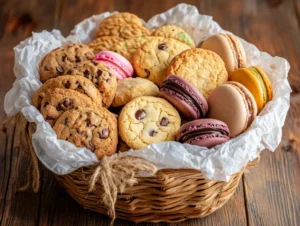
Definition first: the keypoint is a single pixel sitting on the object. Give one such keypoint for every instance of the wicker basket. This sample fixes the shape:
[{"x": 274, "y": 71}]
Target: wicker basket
[{"x": 169, "y": 196}]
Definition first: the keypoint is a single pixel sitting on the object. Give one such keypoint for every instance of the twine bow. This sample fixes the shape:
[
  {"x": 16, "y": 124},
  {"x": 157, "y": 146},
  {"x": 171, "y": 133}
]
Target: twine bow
[{"x": 115, "y": 175}]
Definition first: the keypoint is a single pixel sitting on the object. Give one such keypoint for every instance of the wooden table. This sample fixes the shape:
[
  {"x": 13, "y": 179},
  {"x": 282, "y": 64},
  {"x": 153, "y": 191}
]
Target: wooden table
[{"x": 268, "y": 195}]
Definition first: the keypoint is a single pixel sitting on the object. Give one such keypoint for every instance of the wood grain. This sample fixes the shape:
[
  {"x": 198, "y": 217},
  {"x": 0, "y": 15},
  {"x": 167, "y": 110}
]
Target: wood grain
[{"x": 270, "y": 192}]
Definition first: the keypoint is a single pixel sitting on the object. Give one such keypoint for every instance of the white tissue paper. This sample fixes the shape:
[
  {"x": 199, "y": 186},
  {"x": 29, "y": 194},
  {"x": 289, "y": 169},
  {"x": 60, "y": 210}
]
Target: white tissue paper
[{"x": 218, "y": 163}]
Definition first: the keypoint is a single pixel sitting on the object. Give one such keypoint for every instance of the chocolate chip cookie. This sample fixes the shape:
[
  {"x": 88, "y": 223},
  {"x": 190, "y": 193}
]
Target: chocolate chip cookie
[
  {"x": 172, "y": 31},
  {"x": 102, "y": 77},
  {"x": 61, "y": 59},
  {"x": 147, "y": 120},
  {"x": 203, "y": 68},
  {"x": 130, "y": 88},
  {"x": 105, "y": 43},
  {"x": 93, "y": 128},
  {"x": 122, "y": 18},
  {"x": 57, "y": 101},
  {"x": 153, "y": 58},
  {"x": 76, "y": 82},
  {"x": 127, "y": 48},
  {"x": 125, "y": 31}
]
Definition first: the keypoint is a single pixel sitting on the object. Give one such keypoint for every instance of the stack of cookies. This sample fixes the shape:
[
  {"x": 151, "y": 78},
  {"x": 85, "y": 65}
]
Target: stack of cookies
[{"x": 131, "y": 87}]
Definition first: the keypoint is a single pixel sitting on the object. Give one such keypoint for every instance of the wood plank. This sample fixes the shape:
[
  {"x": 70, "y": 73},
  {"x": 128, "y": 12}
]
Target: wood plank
[
  {"x": 272, "y": 190},
  {"x": 18, "y": 19},
  {"x": 17, "y": 206}
]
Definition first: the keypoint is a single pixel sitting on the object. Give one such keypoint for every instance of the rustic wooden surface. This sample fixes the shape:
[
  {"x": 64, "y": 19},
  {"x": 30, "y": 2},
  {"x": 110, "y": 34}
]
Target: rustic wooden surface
[{"x": 268, "y": 194}]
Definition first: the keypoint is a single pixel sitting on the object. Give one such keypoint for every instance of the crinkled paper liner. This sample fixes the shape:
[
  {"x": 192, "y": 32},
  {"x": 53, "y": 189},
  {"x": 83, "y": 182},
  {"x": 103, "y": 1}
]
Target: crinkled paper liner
[{"x": 218, "y": 163}]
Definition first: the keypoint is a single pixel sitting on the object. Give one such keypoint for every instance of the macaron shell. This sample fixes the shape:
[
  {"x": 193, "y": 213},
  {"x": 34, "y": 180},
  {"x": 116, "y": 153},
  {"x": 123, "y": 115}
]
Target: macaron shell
[
  {"x": 250, "y": 101},
  {"x": 209, "y": 140},
  {"x": 250, "y": 80},
  {"x": 116, "y": 59},
  {"x": 206, "y": 123},
  {"x": 267, "y": 82},
  {"x": 228, "y": 105},
  {"x": 120, "y": 74},
  {"x": 239, "y": 47},
  {"x": 222, "y": 44},
  {"x": 182, "y": 100},
  {"x": 180, "y": 103}
]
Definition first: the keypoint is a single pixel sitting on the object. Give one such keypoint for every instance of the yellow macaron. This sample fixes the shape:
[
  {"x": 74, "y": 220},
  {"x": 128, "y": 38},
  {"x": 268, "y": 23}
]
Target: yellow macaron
[{"x": 257, "y": 82}]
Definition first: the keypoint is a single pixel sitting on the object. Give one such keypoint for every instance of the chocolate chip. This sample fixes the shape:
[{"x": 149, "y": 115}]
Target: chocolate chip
[
  {"x": 48, "y": 117},
  {"x": 89, "y": 123},
  {"x": 110, "y": 74},
  {"x": 77, "y": 82},
  {"x": 147, "y": 73},
  {"x": 95, "y": 63},
  {"x": 80, "y": 46},
  {"x": 66, "y": 121},
  {"x": 46, "y": 68},
  {"x": 64, "y": 58},
  {"x": 86, "y": 73},
  {"x": 91, "y": 146},
  {"x": 162, "y": 46},
  {"x": 152, "y": 133},
  {"x": 77, "y": 59},
  {"x": 59, "y": 70},
  {"x": 140, "y": 114},
  {"x": 79, "y": 132},
  {"x": 89, "y": 56},
  {"x": 99, "y": 72},
  {"x": 164, "y": 121},
  {"x": 103, "y": 134},
  {"x": 67, "y": 103},
  {"x": 68, "y": 84},
  {"x": 46, "y": 103},
  {"x": 58, "y": 108}
]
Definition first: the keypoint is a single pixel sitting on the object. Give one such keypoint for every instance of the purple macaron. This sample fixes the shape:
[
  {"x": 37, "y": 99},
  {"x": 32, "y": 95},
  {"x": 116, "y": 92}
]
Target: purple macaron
[
  {"x": 203, "y": 132},
  {"x": 184, "y": 96}
]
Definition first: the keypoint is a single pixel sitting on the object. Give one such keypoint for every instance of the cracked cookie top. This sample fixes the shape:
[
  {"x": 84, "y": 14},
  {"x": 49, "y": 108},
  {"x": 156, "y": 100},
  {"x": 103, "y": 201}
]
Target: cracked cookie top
[
  {"x": 146, "y": 120},
  {"x": 102, "y": 77},
  {"x": 122, "y": 18},
  {"x": 76, "y": 82},
  {"x": 57, "y": 101},
  {"x": 153, "y": 58},
  {"x": 130, "y": 88},
  {"x": 172, "y": 31},
  {"x": 203, "y": 68},
  {"x": 123, "y": 30},
  {"x": 61, "y": 59},
  {"x": 93, "y": 128},
  {"x": 104, "y": 43}
]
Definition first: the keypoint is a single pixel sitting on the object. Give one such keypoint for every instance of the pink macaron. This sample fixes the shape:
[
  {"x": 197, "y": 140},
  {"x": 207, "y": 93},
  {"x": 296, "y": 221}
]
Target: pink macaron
[
  {"x": 184, "y": 96},
  {"x": 115, "y": 61},
  {"x": 203, "y": 132}
]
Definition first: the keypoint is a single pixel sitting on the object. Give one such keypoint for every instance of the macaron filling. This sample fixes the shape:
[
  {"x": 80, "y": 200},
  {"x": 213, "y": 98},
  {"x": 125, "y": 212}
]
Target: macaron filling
[
  {"x": 261, "y": 80},
  {"x": 235, "y": 51},
  {"x": 169, "y": 85},
  {"x": 202, "y": 132},
  {"x": 251, "y": 115}
]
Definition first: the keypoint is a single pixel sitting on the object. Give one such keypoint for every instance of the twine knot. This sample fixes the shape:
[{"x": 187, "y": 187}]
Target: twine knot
[{"x": 115, "y": 174}]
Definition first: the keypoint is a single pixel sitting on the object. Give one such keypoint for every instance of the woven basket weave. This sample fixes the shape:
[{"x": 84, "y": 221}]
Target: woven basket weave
[{"x": 172, "y": 195}]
